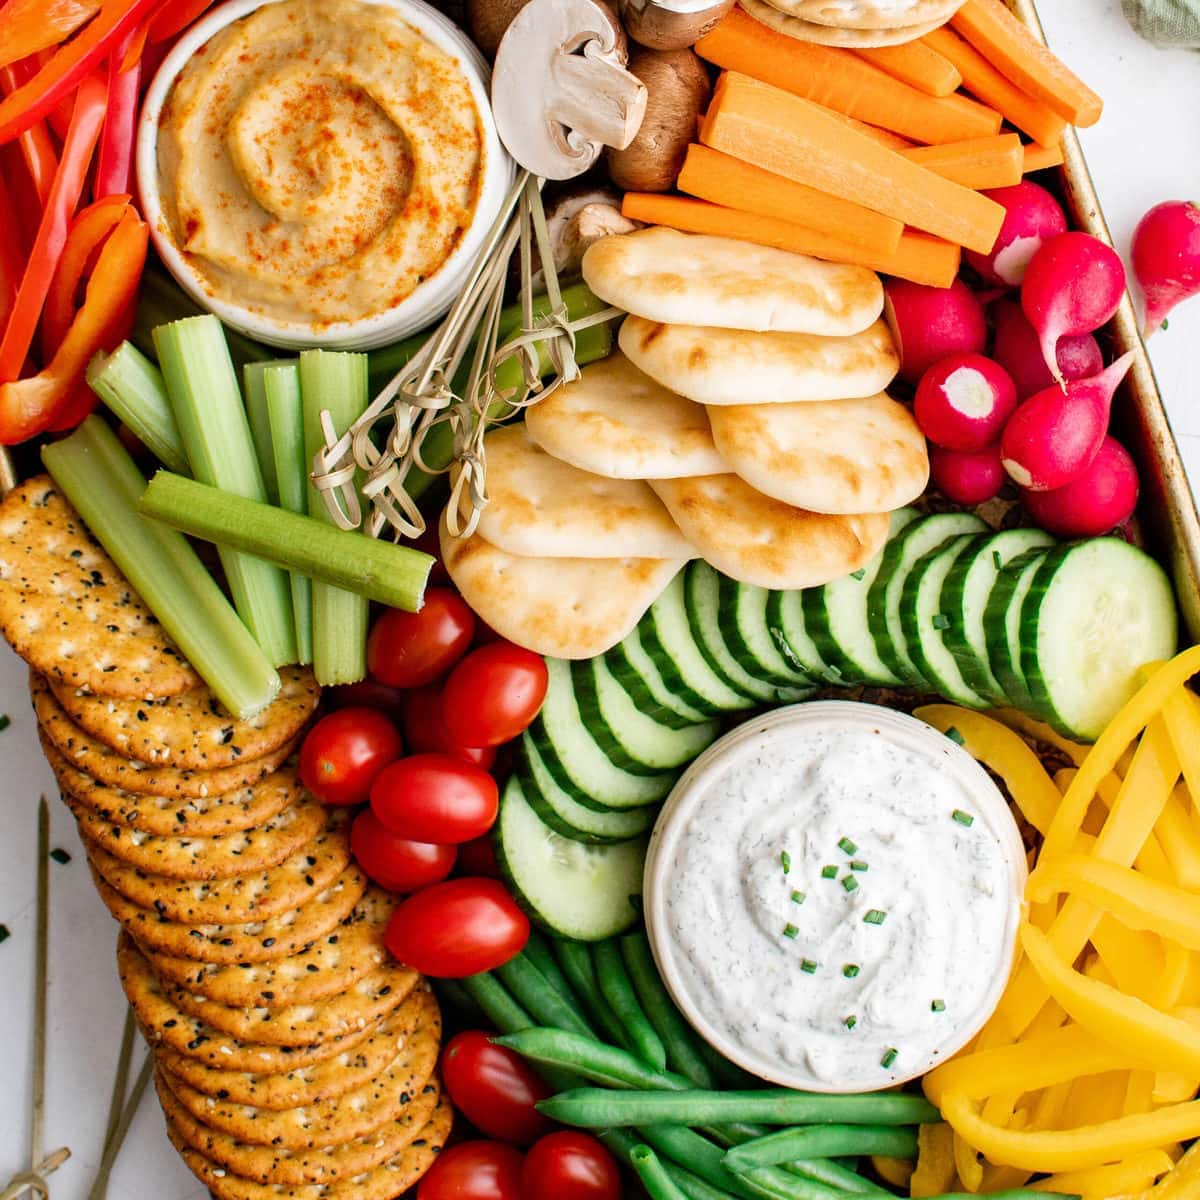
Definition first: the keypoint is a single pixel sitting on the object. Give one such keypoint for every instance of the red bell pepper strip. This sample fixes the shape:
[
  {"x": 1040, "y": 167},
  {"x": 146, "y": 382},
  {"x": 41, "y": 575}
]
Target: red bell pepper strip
[
  {"x": 134, "y": 47},
  {"x": 52, "y": 232},
  {"x": 12, "y": 254},
  {"x": 70, "y": 64},
  {"x": 115, "y": 162},
  {"x": 37, "y": 147},
  {"x": 88, "y": 233},
  {"x": 175, "y": 17},
  {"x": 30, "y": 406},
  {"x": 27, "y": 26},
  {"x": 59, "y": 117}
]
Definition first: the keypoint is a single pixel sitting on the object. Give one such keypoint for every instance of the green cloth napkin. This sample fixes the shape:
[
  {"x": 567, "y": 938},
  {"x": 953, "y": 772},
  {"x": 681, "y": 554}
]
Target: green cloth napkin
[{"x": 1165, "y": 22}]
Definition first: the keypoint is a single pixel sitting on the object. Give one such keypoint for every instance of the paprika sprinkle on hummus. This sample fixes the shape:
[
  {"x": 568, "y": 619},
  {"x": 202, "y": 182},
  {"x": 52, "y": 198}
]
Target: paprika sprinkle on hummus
[{"x": 318, "y": 160}]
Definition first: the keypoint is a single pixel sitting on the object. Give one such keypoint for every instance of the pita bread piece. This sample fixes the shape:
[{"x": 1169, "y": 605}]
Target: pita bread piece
[
  {"x": 869, "y": 14},
  {"x": 563, "y": 607},
  {"x": 616, "y": 421},
  {"x": 757, "y": 540},
  {"x": 733, "y": 366},
  {"x": 830, "y": 35},
  {"x": 696, "y": 279},
  {"x": 842, "y": 456},
  {"x": 542, "y": 507}
]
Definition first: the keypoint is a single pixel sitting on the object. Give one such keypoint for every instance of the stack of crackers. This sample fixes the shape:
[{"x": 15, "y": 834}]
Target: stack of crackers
[
  {"x": 291, "y": 1051},
  {"x": 855, "y": 24}
]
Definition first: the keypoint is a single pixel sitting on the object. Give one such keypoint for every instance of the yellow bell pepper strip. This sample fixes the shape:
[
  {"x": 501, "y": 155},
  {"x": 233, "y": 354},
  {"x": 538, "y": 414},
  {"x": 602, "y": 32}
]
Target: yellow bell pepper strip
[
  {"x": 1003, "y": 752},
  {"x": 1183, "y": 1180},
  {"x": 1139, "y": 1092},
  {"x": 27, "y": 26},
  {"x": 1182, "y": 715},
  {"x": 1097, "y": 1099},
  {"x": 934, "y": 1172},
  {"x": 1179, "y": 837},
  {"x": 1031, "y": 727},
  {"x": 29, "y": 406},
  {"x": 1004, "y": 1179},
  {"x": 1167, "y": 991},
  {"x": 1050, "y": 1108},
  {"x": 1171, "y": 1088},
  {"x": 967, "y": 1165},
  {"x": 1134, "y": 960},
  {"x": 1133, "y": 1174},
  {"x": 896, "y": 1171}
]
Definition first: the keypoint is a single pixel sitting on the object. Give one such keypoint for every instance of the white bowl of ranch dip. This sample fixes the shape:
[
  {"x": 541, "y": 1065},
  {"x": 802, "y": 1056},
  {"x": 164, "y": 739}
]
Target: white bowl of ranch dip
[{"x": 832, "y": 895}]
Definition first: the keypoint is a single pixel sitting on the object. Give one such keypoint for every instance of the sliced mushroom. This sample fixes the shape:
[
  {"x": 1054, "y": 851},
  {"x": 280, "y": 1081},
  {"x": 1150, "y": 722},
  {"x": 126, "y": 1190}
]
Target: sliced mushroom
[
  {"x": 560, "y": 91},
  {"x": 671, "y": 24}
]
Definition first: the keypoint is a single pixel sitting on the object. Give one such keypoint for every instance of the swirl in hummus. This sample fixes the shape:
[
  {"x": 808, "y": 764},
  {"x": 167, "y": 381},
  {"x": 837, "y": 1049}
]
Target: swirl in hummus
[{"x": 318, "y": 160}]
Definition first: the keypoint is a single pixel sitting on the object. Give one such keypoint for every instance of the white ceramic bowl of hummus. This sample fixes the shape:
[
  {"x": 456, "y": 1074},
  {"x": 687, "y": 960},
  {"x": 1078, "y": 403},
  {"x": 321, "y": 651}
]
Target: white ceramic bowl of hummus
[
  {"x": 322, "y": 172},
  {"x": 832, "y": 895}
]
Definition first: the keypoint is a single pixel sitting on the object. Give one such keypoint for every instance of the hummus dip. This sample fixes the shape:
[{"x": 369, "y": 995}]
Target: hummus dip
[{"x": 318, "y": 160}]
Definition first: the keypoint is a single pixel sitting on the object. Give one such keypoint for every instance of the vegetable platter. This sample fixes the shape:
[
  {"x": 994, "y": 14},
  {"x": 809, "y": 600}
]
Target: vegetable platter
[{"x": 679, "y": 798}]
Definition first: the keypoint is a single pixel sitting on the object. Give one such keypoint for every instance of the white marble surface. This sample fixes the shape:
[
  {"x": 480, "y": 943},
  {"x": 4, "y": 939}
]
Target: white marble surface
[{"x": 1146, "y": 149}]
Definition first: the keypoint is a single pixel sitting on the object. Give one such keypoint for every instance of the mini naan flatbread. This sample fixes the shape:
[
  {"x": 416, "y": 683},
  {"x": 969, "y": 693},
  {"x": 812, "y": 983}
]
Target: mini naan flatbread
[
  {"x": 563, "y": 607},
  {"x": 831, "y": 35},
  {"x": 616, "y": 421},
  {"x": 542, "y": 507},
  {"x": 733, "y": 366},
  {"x": 757, "y": 540},
  {"x": 869, "y": 14},
  {"x": 695, "y": 279},
  {"x": 842, "y": 456}
]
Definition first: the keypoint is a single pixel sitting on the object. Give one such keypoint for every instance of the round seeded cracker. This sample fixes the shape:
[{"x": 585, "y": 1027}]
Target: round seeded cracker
[{"x": 68, "y": 611}]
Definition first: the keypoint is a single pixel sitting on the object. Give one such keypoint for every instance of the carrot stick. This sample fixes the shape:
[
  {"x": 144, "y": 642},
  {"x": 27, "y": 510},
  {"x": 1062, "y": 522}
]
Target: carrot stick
[
  {"x": 885, "y": 137},
  {"x": 1014, "y": 51},
  {"x": 984, "y": 163},
  {"x": 840, "y": 80},
  {"x": 983, "y": 80},
  {"x": 793, "y": 137},
  {"x": 1038, "y": 158},
  {"x": 918, "y": 257},
  {"x": 917, "y": 65},
  {"x": 717, "y": 177}
]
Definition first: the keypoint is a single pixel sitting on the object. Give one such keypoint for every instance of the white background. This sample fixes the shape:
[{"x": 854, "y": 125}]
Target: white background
[{"x": 1146, "y": 149}]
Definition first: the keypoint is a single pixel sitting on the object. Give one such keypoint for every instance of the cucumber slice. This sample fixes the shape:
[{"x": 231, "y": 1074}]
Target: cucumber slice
[
  {"x": 634, "y": 670},
  {"x": 964, "y": 601},
  {"x": 568, "y": 817},
  {"x": 924, "y": 623},
  {"x": 575, "y": 759},
  {"x": 785, "y": 624},
  {"x": 749, "y": 638},
  {"x": 568, "y": 887},
  {"x": 702, "y": 588},
  {"x": 883, "y": 596},
  {"x": 1096, "y": 612},
  {"x": 1001, "y": 626},
  {"x": 632, "y": 740},
  {"x": 835, "y": 617},
  {"x": 669, "y": 640}
]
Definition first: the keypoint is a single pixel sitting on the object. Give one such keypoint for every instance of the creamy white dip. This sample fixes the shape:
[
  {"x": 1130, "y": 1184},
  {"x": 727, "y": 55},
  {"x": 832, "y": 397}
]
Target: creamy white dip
[{"x": 834, "y": 899}]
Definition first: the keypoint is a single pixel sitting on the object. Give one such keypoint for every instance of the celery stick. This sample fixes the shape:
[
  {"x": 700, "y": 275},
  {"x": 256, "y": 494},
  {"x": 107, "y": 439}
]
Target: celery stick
[
  {"x": 208, "y": 406},
  {"x": 347, "y": 561},
  {"x": 132, "y": 387},
  {"x": 97, "y": 475},
  {"x": 260, "y": 422},
  {"x": 285, "y": 427},
  {"x": 336, "y": 383}
]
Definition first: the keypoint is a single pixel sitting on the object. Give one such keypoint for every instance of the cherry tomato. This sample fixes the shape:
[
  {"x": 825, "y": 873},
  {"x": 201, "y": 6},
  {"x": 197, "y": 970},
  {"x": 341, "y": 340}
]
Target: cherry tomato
[
  {"x": 474, "y": 1171},
  {"x": 366, "y": 693},
  {"x": 396, "y": 863},
  {"x": 435, "y": 798},
  {"x": 409, "y": 649},
  {"x": 569, "y": 1165},
  {"x": 457, "y": 928},
  {"x": 424, "y": 730},
  {"x": 495, "y": 1089},
  {"x": 343, "y": 753},
  {"x": 478, "y": 857},
  {"x": 493, "y": 694}
]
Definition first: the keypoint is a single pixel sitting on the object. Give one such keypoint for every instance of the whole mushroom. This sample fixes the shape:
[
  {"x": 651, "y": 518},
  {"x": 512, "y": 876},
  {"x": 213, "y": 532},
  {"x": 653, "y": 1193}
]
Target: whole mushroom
[
  {"x": 671, "y": 24},
  {"x": 488, "y": 20}
]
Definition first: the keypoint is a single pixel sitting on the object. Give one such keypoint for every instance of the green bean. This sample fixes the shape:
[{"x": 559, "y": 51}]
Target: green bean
[
  {"x": 616, "y": 988},
  {"x": 452, "y": 992},
  {"x": 622, "y": 1144},
  {"x": 496, "y": 1003},
  {"x": 591, "y": 1107},
  {"x": 822, "y": 1141},
  {"x": 576, "y": 962},
  {"x": 678, "y": 1037},
  {"x": 658, "y": 1184},
  {"x": 590, "y": 1058},
  {"x": 539, "y": 996},
  {"x": 538, "y": 951}
]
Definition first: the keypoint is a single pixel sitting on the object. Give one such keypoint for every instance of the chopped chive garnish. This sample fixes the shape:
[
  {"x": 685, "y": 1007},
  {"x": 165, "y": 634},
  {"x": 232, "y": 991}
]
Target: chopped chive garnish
[
  {"x": 875, "y": 916},
  {"x": 850, "y": 1021},
  {"x": 5, "y": 721},
  {"x": 850, "y": 970},
  {"x": 963, "y": 818},
  {"x": 5, "y": 933},
  {"x": 937, "y": 1006},
  {"x": 60, "y": 856},
  {"x": 859, "y": 574},
  {"x": 846, "y": 846},
  {"x": 1165, "y": 325},
  {"x": 957, "y": 738},
  {"x": 798, "y": 897},
  {"x": 790, "y": 930},
  {"x": 808, "y": 966},
  {"x": 850, "y": 883},
  {"x": 997, "y": 561},
  {"x": 889, "y": 1057},
  {"x": 785, "y": 861},
  {"x": 940, "y": 621},
  {"x": 829, "y": 872},
  {"x": 857, "y": 864}
]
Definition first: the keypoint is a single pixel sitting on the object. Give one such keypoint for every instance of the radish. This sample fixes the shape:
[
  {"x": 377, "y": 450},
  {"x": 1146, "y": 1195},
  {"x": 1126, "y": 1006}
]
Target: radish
[
  {"x": 1054, "y": 435},
  {"x": 929, "y": 323},
  {"x": 1033, "y": 217},
  {"x": 1166, "y": 258},
  {"x": 1103, "y": 497},
  {"x": 963, "y": 401},
  {"x": 1017, "y": 350},
  {"x": 966, "y": 477},
  {"x": 1074, "y": 284}
]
